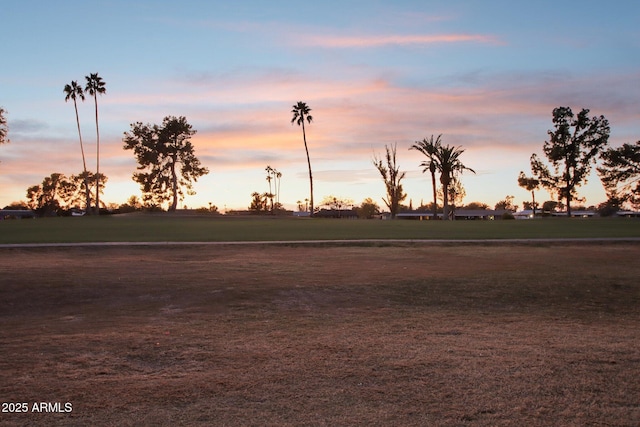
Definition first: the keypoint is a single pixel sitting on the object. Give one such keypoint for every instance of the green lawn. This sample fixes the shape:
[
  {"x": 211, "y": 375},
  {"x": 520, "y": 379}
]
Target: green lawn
[{"x": 159, "y": 228}]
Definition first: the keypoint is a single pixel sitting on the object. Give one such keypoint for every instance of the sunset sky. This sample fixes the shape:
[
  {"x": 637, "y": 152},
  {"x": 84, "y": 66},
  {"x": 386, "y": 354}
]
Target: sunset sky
[{"x": 485, "y": 74}]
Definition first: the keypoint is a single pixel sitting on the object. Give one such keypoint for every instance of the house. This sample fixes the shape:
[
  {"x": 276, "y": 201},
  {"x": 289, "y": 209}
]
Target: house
[
  {"x": 524, "y": 214},
  {"x": 576, "y": 214},
  {"x": 337, "y": 213},
  {"x": 459, "y": 214}
]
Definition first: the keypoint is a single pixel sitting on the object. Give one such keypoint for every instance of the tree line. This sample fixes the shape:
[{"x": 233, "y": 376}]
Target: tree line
[
  {"x": 574, "y": 146},
  {"x": 168, "y": 167}
]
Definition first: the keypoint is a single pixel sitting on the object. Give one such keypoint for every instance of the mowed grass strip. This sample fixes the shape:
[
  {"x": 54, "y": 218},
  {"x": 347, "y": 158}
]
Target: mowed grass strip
[
  {"x": 161, "y": 228},
  {"x": 286, "y": 336}
]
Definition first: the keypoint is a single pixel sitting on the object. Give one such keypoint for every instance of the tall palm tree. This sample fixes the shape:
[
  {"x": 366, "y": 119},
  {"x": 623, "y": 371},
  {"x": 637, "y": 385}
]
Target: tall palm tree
[
  {"x": 74, "y": 91},
  {"x": 269, "y": 171},
  {"x": 95, "y": 85},
  {"x": 278, "y": 176},
  {"x": 449, "y": 165},
  {"x": 429, "y": 148},
  {"x": 300, "y": 112}
]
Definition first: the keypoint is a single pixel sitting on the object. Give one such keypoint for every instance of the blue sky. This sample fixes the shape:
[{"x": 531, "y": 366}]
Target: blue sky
[{"x": 485, "y": 74}]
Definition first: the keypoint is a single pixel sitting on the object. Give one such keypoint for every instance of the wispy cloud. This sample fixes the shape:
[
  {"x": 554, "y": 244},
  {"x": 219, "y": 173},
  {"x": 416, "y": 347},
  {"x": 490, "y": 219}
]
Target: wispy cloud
[{"x": 374, "y": 41}]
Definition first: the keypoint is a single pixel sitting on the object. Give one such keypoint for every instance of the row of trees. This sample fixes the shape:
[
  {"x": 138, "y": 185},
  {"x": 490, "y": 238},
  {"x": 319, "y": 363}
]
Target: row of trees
[
  {"x": 57, "y": 193},
  {"x": 168, "y": 165},
  {"x": 575, "y": 145},
  {"x": 442, "y": 159}
]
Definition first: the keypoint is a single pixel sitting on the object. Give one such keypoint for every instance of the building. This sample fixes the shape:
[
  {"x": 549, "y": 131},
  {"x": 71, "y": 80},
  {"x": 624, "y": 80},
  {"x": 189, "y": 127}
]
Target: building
[{"x": 459, "y": 214}]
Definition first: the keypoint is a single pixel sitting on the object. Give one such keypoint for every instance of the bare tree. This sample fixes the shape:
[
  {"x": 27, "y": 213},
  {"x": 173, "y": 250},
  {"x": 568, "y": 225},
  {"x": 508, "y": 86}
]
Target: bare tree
[{"x": 392, "y": 177}]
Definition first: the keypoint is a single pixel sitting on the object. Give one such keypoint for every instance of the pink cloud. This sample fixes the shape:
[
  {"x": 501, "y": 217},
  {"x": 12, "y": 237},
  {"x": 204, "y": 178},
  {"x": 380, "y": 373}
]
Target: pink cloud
[{"x": 395, "y": 40}]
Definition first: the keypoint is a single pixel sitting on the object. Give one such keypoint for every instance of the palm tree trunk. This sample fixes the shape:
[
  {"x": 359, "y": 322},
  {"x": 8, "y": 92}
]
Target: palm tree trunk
[
  {"x": 84, "y": 163},
  {"x": 567, "y": 179},
  {"x": 304, "y": 136},
  {"x": 445, "y": 198},
  {"x": 435, "y": 195},
  {"x": 174, "y": 185},
  {"x": 278, "y": 194},
  {"x": 533, "y": 202},
  {"x": 95, "y": 97}
]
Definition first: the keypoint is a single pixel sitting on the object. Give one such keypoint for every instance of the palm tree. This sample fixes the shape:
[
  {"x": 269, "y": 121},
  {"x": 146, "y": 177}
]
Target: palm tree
[
  {"x": 449, "y": 165},
  {"x": 429, "y": 148},
  {"x": 74, "y": 91},
  {"x": 95, "y": 85},
  {"x": 278, "y": 176},
  {"x": 300, "y": 112},
  {"x": 269, "y": 171}
]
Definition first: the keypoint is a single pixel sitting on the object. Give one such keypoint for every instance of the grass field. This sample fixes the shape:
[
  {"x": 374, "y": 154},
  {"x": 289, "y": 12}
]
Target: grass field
[
  {"x": 404, "y": 334},
  {"x": 197, "y": 229}
]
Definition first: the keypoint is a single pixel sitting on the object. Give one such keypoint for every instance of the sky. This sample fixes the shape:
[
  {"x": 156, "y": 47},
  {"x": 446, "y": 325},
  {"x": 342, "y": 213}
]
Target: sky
[{"x": 484, "y": 74}]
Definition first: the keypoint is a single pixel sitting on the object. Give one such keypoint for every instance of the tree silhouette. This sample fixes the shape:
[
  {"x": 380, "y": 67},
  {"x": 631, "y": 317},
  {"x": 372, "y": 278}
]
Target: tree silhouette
[
  {"x": 391, "y": 175},
  {"x": 449, "y": 164},
  {"x": 269, "y": 171},
  {"x": 95, "y": 85},
  {"x": 620, "y": 173},
  {"x": 429, "y": 148},
  {"x": 300, "y": 112},
  {"x": 163, "y": 151},
  {"x": 74, "y": 92},
  {"x": 52, "y": 196},
  {"x": 573, "y": 146},
  {"x": 529, "y": 183}
]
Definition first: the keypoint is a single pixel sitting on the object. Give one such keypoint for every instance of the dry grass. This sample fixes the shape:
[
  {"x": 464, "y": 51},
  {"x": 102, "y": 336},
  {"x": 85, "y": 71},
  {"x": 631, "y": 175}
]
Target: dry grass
[{"x": 448, "y": 335}]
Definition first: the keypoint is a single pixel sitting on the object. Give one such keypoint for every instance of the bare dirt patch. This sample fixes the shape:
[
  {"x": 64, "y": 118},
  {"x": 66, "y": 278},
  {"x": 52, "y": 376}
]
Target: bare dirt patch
[{"x": 269, "y": 335}]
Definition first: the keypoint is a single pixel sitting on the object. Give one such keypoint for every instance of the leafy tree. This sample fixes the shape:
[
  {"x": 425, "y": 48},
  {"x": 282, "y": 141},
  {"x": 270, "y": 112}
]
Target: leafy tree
[
  {"x": 391, "y": 175},
  {"x": 368, "y": 209},
  {"x": 82, "y": 181},
  {"x": 338, "y": 203},
  {"x": 530, "y": 183},
  {"x": 18, "y": 206},
  {"x": 551, "y": 206},
  {"x": 74, "y": 92},
  {"x": 300, "y": 112},
  {"x": 95, "y": 85},
  {"x": 132, "y": 204},
  {"x": 610, "y": 207},
  {"x": 53, "y": 196},
  {"x": 476, "y": 206},
  {"x": 620, "y": 174},
  {"x": 166, "y": 156},
  {"x": 573, "y": 146},
  {"x": 506, "y": 204},
  {"x": 259, "y": 203},
  {"x": 449, "y": 165},
  {"x": 456, "y": 195},
  {"x": 4, "y": 129},
  {"x": 429, "y": 148}
]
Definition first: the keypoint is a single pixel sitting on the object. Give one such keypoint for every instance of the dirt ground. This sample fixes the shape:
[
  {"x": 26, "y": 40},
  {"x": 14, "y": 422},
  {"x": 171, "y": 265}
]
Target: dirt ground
[{"x": 447, "y": 335}]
